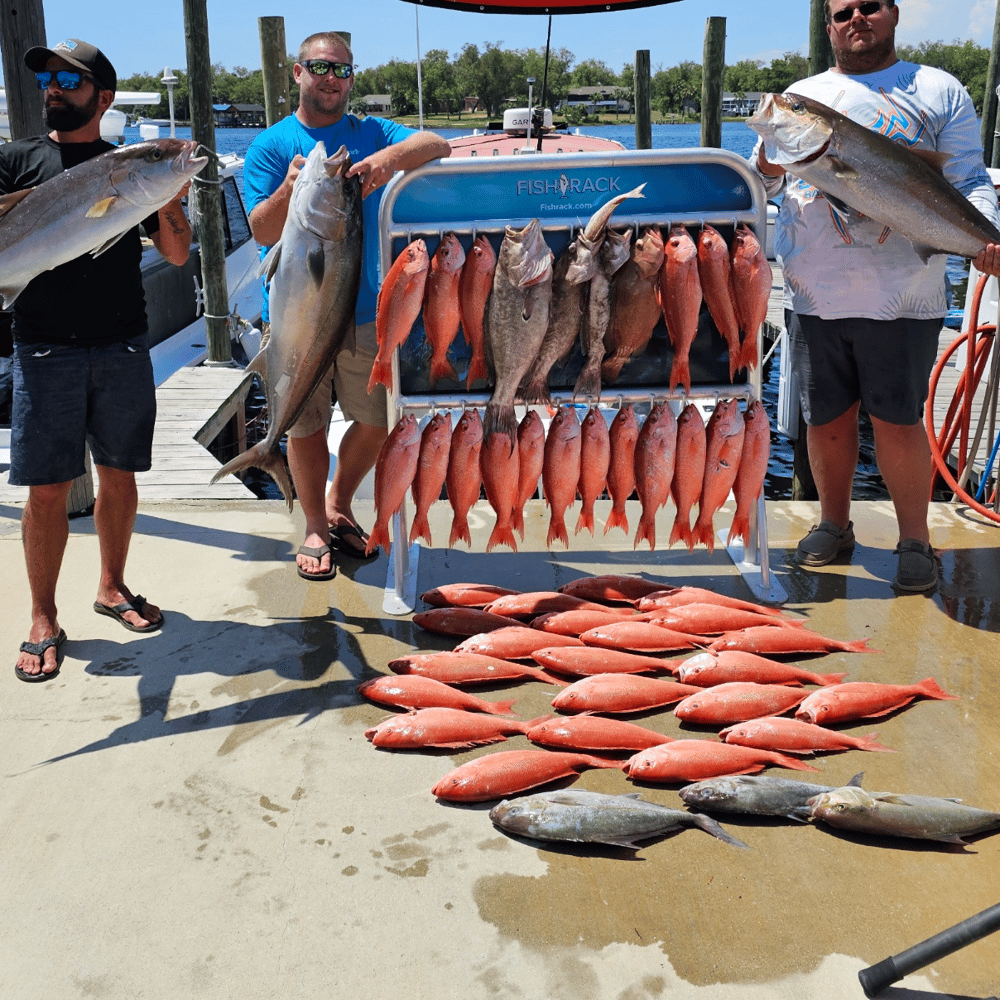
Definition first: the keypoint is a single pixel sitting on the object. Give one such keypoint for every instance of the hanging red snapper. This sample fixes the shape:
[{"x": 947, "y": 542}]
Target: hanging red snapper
[
  {"x": 474, "y": 289},
  {"x": 655, "y": 451},
  {"x": 442, "y": 314},
  {"x": 689, "y": 472},
  {"x": 395, "y": 469},
  {"x": 680, "y": 299},
  {"x": 623, "y": 435},
  {"x": 715, "y": 271},
  {"x": 432, "y": 470},
  {"x": 752, "y": 280},
  {"x": 530, "y": 459},
  {"x": 723, "y": 449},
  {"x": 498, "y": 466},
  {"x": 561, "y": 470},
  {"x": 749, "y": 482},
  {"x": 464, "y": 478},
  {"x": 595, "y": 460}
]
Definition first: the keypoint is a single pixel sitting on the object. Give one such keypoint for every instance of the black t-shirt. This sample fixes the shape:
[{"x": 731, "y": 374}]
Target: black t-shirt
[{"x": 89, "y": 300}]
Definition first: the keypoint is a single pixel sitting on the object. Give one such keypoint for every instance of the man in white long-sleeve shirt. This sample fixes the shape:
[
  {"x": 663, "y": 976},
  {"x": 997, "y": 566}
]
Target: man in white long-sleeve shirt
[{"x": 865, "y": 311}]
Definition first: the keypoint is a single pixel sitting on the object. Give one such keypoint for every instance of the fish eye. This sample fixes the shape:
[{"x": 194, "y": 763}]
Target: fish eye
[{"x": 798, "y": 106}]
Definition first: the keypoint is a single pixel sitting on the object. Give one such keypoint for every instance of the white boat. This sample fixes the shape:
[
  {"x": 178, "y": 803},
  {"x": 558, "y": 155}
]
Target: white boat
[{"x": 112, "y": 123}]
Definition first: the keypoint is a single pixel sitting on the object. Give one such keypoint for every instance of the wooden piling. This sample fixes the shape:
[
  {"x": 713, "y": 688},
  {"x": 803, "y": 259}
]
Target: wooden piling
[
  {"x": 713, "y": 70},
  {"x": 643, "y": 111},
  {"x": 820, "y": 50},
  {"x": 991, "y": 149},
  {"x": 205, "y": 188},
  {"x": 22, "y": 25},
  {"x": 275, "y": 69}
]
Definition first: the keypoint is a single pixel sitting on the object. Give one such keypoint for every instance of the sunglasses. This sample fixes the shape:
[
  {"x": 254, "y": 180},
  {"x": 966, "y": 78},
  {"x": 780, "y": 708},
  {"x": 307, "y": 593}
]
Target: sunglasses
[
  {"x": 864, "y": 9},
  {"x": 66, "y": 79},
  {"x": 320, "y": 67}
]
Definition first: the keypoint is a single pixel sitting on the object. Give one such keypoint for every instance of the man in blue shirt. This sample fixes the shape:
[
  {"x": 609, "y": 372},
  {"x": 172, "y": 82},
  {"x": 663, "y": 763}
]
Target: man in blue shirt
[{"x": 378, "y": 148}]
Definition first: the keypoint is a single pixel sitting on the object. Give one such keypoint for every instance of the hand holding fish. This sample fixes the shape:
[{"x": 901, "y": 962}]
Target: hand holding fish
[
  {"x": 374, "y": 171},
  {"x": 988, "y": 261}
]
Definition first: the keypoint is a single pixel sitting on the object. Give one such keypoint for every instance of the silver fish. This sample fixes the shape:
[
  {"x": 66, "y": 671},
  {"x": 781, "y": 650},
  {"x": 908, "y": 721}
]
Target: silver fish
[
  {"x": 315, "y": 271},
  {"x": 590, "y": 817},
  {"x": 577, "y": 264},
  {"x": 888, "y": 814},
  {"x": 615, "y": 251},
  {"x": 756, "y": 795},
  {"x": 88, "y": 208},
  {"x": 517, "y": 318},
  {"x": 860, "y": 169}
]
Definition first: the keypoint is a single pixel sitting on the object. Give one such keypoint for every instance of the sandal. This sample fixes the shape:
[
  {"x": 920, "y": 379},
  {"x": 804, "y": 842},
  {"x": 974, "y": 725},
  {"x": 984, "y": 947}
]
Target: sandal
[
  {"x": 118, "y": 612},
  {"x": 38, "y": 649},
  {"x": 316, "y": 552},
  {"x": 342, "y": 531}
]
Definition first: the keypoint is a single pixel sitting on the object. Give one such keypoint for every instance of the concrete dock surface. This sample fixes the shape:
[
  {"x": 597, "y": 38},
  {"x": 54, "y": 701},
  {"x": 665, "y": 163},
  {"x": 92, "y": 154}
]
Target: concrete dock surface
[{"x": 197, "y": 813}]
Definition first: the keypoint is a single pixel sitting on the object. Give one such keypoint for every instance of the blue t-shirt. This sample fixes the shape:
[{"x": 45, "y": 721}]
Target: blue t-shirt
[{"x": 267, "y": 162}]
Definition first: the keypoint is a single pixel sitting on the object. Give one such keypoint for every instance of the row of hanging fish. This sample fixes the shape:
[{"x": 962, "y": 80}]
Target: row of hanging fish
[
  {"x": 522, "y": 312},
  {"x": 666, "y": 457},
  {"x": 730, "y": 684}
]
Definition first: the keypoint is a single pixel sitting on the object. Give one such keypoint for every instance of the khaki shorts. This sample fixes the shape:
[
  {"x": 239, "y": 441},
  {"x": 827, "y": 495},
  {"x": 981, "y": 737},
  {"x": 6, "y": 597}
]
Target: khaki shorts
[{"x": 348, "y": 377}]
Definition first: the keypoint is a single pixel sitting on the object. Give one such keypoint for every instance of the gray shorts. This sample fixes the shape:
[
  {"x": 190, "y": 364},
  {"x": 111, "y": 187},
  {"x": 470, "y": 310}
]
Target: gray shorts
[
  {"x": 348, "y": 379},
  {"x": 886, "y": 364},
  {"x": 66, "y": 397}
]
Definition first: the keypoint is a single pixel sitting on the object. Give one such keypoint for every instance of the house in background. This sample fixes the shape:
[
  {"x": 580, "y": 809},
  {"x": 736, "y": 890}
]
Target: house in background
[
  {"x": 740, "y": 105},
  {"x": 606, "y": 98},
  {"x": 239, "y": 115},
  {"x": 377, "y": 104}
]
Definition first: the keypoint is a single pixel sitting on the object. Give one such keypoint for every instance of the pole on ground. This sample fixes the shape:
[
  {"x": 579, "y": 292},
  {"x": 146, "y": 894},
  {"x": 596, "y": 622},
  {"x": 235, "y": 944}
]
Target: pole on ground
[
  {"x": 205, "y": 188},
  {"x": 643, "y": 112},
  {"x": 22, "y": 25},
  {"x": 714, "y": 63},
  {"x": 991, "y": 149},
  {"x": 274, "y": 68}
]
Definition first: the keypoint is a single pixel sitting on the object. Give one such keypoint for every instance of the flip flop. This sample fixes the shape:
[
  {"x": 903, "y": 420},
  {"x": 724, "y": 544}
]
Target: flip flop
[
  {"x": 118, "y": 612},
  {"x": 337, "y": 536},
  {"x": 317, "y": 553},
  {"x": 38, "y": 649}
]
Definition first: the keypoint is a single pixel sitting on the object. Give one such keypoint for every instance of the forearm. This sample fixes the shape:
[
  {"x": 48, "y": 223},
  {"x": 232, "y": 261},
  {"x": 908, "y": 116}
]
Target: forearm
[
  {"x": 416, "y": 150},
  {"x": 173, "y": 238},
  {"x": 268, "y": 218}
]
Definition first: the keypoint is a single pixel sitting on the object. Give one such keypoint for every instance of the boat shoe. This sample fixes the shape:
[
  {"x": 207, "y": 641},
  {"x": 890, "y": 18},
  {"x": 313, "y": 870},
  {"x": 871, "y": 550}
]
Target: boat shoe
[
  {"x": 824, "y": 543},
  {"x": 918, "y": 569}
]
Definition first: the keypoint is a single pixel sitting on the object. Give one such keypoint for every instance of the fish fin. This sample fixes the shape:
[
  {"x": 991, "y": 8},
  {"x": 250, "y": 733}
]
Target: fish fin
[
  {"x": 379, "y": 536},
  {"x": 557, "y": 530},
  {"x": 704, "y": 532},
  {"x": 537, "y": 390},
  {"x": 420, "y": 529},
  {"x": 611, "y": 368},
  {"x": 477, "y": 370},
  {"x": 680, "y": 374},
  {"x": 101, "y": 208},
  {"x": 500, "y": 707},
  {"x": 930, "y": 688},
  {"x": 499, "y": 419},
  {"x": 800, "y": 814},
  {"x": 870, "y": 742},
  {"x": 588, "y": 384},
  {"x": 709, "y": 825},
  {"x": 501, "y": 535},
  {"x": 442, "y": 369},
  {"x": 645, "y": 532},
  {"x": 740, "y": 529},
  {"x": 459, "y": 531},
  {"x": 11, "y": 293},
  {"x": 827, "y": 679},
  {"x": 269, "y": 264},
  {"x": 8, "y": 201},
  {"x": 270, "y": 460},
  {"x": 925, "y": 252},
  {"x": 840, "y": 209},
  {"x": 97, "y": 251},
  {"x": 932, "y": 157},
  {"x": 616, "y": 519},
  {"x": 381, "y": 375},
  {"x": 855, "y": 782},
  {"x": 316, "y": 265},
  {"x": 791, "y": 762},
  {"x": 585, "y": 520}
]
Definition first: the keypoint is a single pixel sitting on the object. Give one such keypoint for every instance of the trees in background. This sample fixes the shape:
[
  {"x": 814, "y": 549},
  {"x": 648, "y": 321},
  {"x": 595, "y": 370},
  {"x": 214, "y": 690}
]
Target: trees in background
[{"x": 498, "y": 77}]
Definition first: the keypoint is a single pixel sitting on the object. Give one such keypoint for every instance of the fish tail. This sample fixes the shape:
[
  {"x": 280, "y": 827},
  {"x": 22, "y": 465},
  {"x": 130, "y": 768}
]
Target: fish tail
[
  {"x": 611, "y": 368},
  {"x": 680, "y": 374},
  {"x": 499, "y": 419},
  {"x": 586, "y": 519},
  {"x": 589, "y": 760},
  {"x": 705, "y": 532},
  {"x": 500, "y": 707},
  {"x": 517, "y": 518},
  {"x": 549, "y": 678},
  {"x": 748, "y": 352},
  {"x": 270, "y": 460},
  {"x": 557, "y": 530},
  {"x": 537, "y": 391},
  {"x": 379, "y": 536},
  {"x": 870, "y": 742},
  {"x": 381, "y": 375},
  {"x": 734, "y": 363},
  {"x": 709, "y": 825},
  {"x": 825, "y": 679},
  {"x": 441, "y": 368},
  {"x": 477, "y": 370},
  {"x": 681, "y": 531},
  {"x": 930, "y": 688},
  {"x": 420, "y": 528},
  {"x": 617, "y": 519},
  {"x": 501, "y": 535},
  {"x": 459, "y": 531},
  {"x": 740, "y": 529},
  {"x": 588, "y": 384},
  {"x": 861, "y": 646},
  {"x": 645, "y": 532},
  {"x": 796, "y": 765}
]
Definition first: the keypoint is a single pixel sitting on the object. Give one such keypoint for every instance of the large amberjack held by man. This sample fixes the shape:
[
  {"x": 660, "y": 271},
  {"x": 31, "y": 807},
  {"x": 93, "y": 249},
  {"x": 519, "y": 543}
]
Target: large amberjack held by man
[
  {"x": 855, "y": 167},
  {"x": 315, "y": 271},
  {"x": 88, "y": 208}
]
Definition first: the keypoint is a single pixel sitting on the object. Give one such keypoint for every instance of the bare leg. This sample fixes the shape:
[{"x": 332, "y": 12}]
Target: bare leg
[
  {"x": 904, "y": 459},
  {"x": 833, "y": 456},
  {"x": 309, "y": 462},
  {"x": 356, "y": 456},
  {"x": 44, "y": 530},
  {"x": 114, "y": 518}
]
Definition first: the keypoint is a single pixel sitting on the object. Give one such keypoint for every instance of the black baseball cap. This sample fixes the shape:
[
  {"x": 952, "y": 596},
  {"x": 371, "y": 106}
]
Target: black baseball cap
[{"x": 83, "y": 55}]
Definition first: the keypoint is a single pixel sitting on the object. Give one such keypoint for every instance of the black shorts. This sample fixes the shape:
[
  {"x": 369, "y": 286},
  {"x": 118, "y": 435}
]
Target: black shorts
[
  {"x": 65, "y": 397},
  {"x": 886, "y": 364}
]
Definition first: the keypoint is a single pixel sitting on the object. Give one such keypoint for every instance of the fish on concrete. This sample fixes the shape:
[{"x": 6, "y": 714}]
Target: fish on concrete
[
  {"x": 461, "y": 669},
  {"x": 890, "y": 814},
  {"x": 856, "y": 168},
  {"x": 577, "y": 622},
  {"x": 595, "y": 461},
  {"x": 585, "y": 661},
  {"x": 444, "y": 727},
  {"x": 794, "y": 736},
  {"x": 749, "y": 482},
  {"x": 738, "y": 701},
  {"x": 673, "y": 597},
  {"x": 709, "y": 619},
  {"x": 774, "y": 641},
  {"x": 508, "y": 772},
  {"x": 695, "y": 760},
  {"x": 464, "y": 480},
  {"x": 689, "y": 472},
  {"x": 561, "y": 470},
  {"x": 414, "y": 691},
  {"x": 708, "y": 669},
  {"x": 461, "y": 622},
  {"x": 532, "y": 603},
  {"x": 594, "y": 818},
  {"x": 432, "y": 470},
  {"x": 655, "y": 455},
  {"x": 715, "y": 271},
  {"x": 594, "y": 732},
  {"x": 315, "y": 273},
  {"x": 680, "y": 300},
  {"x": 635, "y": 304},
  {"x": 615, "y": 694},
  {"x": 755, "y": 795},
  {"x": 442, "y": 309},
  {"x": 395, "y": 470},
  {"x": 611, "y": 587},
  {"x": 88, "y": 208},
  {"x": 865, "y": 700},
  {"x": 400, "y": 299},
  {"x": 623, "y": 435},
  {"x": 464, "y": 595},
  {"x": 514, "y": 643},
  {"x": 517, "y": 319},
  {"x": 645, "y": 636},
  {"x": 474, "y": 289}
]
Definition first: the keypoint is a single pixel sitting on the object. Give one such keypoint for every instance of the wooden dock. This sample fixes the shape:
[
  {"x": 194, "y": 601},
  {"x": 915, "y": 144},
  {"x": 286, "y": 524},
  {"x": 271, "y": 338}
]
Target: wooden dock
[{"x": 193, "y": 407}]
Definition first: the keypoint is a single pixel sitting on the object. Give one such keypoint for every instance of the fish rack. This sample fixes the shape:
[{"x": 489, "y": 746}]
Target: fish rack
[{"x": 472, "y": 197}]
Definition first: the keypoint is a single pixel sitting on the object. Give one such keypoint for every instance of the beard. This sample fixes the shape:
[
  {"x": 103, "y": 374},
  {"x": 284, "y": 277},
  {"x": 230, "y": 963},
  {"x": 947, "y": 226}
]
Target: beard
[{"x": 68, "y": 117}]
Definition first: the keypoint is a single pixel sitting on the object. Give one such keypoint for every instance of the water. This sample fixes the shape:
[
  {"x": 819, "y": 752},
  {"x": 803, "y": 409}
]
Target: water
[{"x": 739, "y": 139}]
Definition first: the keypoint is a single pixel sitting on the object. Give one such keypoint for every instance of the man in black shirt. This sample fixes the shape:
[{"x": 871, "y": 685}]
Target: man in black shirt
[{"x": 82, "y": 372}]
